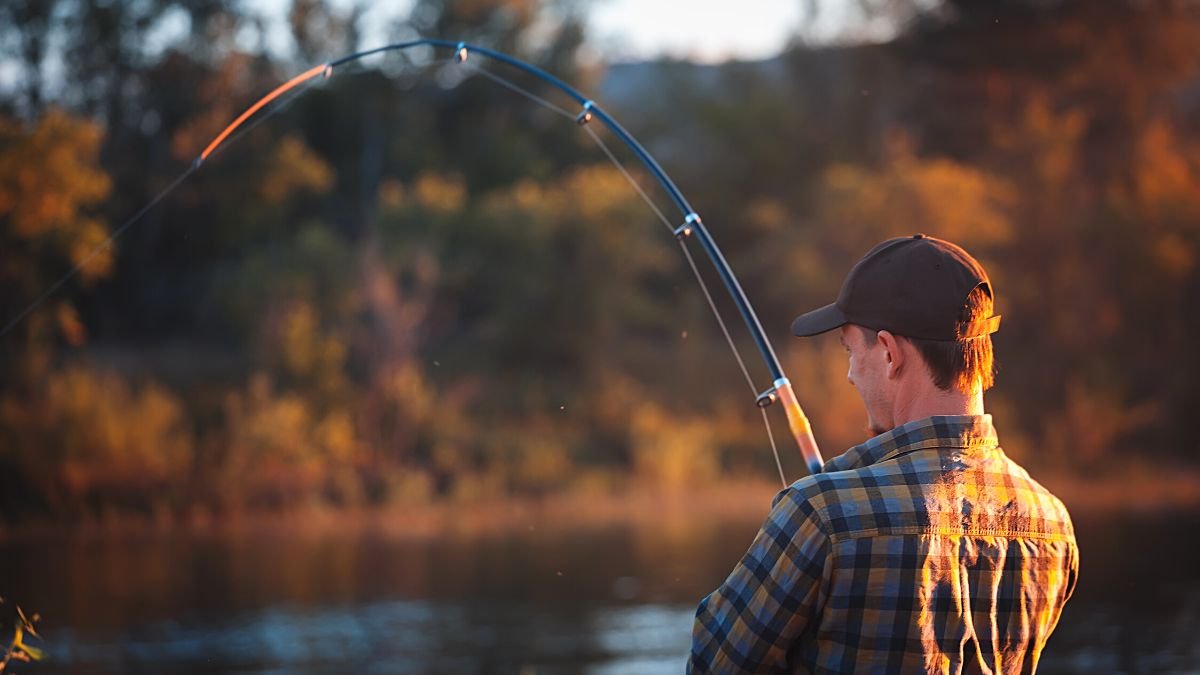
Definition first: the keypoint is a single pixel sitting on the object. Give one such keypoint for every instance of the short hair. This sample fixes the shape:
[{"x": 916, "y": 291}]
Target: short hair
[
  {"x": 965, "y": 363},
  {"x": 959, "y": 364}
]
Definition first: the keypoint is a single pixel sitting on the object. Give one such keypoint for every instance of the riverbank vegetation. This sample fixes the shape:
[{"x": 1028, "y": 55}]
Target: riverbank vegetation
[{"x": 412, "y": 287}]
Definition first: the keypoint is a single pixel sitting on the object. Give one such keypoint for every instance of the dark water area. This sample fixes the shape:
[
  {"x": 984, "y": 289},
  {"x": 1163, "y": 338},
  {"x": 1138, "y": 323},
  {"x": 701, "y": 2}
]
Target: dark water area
[{"x": 534, "y": 599}]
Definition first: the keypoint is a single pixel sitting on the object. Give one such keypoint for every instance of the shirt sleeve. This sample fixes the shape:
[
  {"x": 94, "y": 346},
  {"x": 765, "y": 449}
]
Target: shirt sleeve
[{"x": 770, "y": 599}]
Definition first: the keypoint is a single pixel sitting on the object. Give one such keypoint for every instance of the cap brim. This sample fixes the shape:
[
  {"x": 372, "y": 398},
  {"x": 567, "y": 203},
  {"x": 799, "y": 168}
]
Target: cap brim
[{"x": 818, "y": 321}]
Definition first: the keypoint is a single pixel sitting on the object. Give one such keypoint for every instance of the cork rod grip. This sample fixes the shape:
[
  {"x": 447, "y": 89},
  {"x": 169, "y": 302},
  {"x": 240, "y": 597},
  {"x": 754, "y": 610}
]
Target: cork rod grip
[{"x": 798, "y": 423}]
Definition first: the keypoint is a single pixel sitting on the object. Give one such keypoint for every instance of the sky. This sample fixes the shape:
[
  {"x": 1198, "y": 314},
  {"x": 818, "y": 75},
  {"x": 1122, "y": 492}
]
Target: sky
[
  {"x": 708, "y": 31},
  {"x": 718, "y": 30},
  {"x": 702, "y": 30},
  {"x": 699, "y": 30}
]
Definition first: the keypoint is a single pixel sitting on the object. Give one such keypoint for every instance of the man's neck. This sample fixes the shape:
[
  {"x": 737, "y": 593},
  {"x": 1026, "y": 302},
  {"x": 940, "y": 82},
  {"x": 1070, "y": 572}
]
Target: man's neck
[{"x": 933, "y": 401}]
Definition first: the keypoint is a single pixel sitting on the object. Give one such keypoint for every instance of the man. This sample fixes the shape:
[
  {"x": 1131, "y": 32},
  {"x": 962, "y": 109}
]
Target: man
[{"x": 924, "y": 549}]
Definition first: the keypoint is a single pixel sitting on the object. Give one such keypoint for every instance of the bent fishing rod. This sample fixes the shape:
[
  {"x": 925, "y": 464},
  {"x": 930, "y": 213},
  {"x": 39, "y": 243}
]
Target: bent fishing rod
[{"x": 691, "y": 226}]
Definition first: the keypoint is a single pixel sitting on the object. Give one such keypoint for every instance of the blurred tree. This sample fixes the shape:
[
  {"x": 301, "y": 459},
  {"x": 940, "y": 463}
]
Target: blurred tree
[
  {"x": 26, "y": 26},
  {"x": 1082, "y": 105},
  {"x": 50, "y": 190},
  {"x": 320, "y": 31},
  {"x": 413, "y": 283}
]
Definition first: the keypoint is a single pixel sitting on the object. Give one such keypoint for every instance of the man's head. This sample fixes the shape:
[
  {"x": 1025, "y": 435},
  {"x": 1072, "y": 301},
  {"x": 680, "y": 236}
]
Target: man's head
[{"x": 915, "y": 316}]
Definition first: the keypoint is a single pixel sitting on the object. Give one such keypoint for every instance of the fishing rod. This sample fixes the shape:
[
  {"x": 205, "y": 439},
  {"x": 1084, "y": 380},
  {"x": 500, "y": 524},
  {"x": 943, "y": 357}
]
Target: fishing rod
[{"x": 691, "y": 226}]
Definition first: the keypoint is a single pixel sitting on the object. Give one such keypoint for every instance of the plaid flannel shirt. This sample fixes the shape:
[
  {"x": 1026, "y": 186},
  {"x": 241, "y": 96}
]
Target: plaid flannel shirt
[{"x": 924, "y": 549}]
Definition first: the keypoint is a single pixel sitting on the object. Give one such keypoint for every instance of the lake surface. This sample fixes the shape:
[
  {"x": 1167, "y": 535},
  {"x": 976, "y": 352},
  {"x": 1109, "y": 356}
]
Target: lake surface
[{"x": 532, "y": 599}]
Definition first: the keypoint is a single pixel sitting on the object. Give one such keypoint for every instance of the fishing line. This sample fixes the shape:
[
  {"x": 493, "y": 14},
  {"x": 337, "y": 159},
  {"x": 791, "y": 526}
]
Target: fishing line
[
  {"x": 781, "y": 389},
  {"x": 260, "y": 103},
  {"x": 703, "y": 286},
  {"x": 96, "y": 251},
  {"x": 271, "y": 112},
  {"x": 736, "y": 354},
  {"x": 683, "y": 247},
  {"x": 636, "y": 186},
  {"x": 512, "y": 86},
  {"x": 212, "y": 150},
  {"x": 774, "y": 449}
]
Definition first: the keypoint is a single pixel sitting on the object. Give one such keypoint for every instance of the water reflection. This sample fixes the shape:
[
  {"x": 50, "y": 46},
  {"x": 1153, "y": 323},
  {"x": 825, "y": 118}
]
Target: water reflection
[
  {"x": 537, "y": 599},
  {"x": 395, "y": 637}
]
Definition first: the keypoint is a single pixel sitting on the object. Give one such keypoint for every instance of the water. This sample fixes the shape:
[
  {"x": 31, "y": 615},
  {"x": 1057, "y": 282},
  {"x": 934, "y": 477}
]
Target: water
[{"x": 535, "y": 599}]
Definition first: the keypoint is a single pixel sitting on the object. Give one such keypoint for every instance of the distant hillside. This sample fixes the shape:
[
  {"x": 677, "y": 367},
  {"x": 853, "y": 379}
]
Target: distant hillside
[{"x": 816, "y": 104}]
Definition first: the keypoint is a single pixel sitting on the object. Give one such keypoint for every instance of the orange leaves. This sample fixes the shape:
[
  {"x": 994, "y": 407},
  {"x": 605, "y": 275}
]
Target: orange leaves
[
  {"x": 89, "y": 249},
  {"x": 1174, "y": 255},
  {"x": 1166, "y": 174},
  {"x": 119, "y": 432},
  {"x": 303, "y": 349},
  {"x": 69, "y": 325},
  {"x": 89, "y": 433},
  {"x": 909, "y": 194},
  {"x": 670, "y": 452},
  {"x": 592, "y": 204},
  {"x": 588, "y": 194},
  {"x": 49, "y": 174},
  {"x": 391, "y": 193},
  {"x": 1047, "y": 140},
  {"x": 440, "y": 194},
  {"x": 49, "y": 181},
  {"x": 294, "y": 168}
]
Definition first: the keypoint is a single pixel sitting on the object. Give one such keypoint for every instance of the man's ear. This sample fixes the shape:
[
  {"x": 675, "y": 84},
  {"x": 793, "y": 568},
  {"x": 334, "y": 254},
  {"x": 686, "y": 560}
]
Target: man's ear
[{"x": 894, "y": 355}]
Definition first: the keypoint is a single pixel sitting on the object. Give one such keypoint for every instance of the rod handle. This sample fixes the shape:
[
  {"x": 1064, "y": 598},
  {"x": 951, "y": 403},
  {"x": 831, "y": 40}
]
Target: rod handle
[{"x": 798, "y": 423}]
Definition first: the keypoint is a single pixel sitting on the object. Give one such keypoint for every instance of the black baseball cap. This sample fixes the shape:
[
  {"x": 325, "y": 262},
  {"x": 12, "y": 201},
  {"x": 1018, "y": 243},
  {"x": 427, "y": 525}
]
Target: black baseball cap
[{"x": 912, "y": 286}]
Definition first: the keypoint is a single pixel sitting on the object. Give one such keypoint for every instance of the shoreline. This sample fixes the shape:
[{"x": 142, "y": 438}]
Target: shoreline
[{"x": 733, "y": 500}]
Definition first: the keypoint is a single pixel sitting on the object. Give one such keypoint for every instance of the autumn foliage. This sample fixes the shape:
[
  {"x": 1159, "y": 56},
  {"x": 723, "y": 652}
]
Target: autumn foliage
[{"x": 412, "y": 285}]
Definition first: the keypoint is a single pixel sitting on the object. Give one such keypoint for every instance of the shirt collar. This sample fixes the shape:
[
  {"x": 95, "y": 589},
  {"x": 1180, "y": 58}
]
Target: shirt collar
[{"x": 938, "y": 431}]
